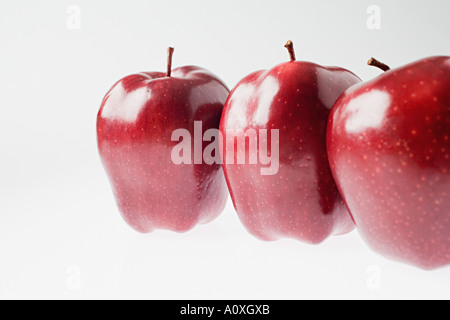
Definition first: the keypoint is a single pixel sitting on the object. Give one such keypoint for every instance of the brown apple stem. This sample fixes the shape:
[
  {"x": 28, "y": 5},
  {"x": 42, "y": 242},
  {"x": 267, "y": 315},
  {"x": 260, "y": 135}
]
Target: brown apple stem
[
  {"x": 374, "y": 62},
  {"x": 290, "y": 46},
  {"x": 169, "y": 61}
]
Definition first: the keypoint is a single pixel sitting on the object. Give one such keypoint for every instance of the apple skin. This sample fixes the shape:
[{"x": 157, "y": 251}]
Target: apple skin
[
  {"x": 301, "y": 201},
  {"x": 388, "y": 146},
  {"x": 134, "y": 130}
]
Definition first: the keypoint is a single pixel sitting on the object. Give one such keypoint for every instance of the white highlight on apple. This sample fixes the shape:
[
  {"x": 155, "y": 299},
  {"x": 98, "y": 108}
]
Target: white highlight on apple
[
  {"x": 74, "y": 278},
  {"x": 74, "y": 19},
  {"x": 374, "y": 20},
  {"x": 266, "y": 93},
  {"x": 367, "y": 111},
  {"x": 243, "y": 95},
  {"x": 447, "y": 62},
  {"x": 257, "y": 150},
  {"x": 126, "y": 106}
]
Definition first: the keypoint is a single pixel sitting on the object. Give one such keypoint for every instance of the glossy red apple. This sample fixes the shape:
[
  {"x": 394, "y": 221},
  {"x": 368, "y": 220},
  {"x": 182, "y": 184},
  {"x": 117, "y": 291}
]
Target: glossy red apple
[
  {"x": 389, "y": 148},
  {"x": 296, "y": 197},
  {"x": 135, "y": 125}
]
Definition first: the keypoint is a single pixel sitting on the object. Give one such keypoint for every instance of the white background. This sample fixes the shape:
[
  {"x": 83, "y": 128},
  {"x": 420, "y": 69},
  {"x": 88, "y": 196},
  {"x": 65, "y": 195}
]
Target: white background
[{"x": 61, "y": 235}]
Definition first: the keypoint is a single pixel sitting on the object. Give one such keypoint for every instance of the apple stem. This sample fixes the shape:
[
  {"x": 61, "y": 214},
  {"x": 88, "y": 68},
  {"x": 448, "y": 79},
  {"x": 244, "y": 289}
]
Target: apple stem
[
  {"x": 290, "y": 46},
  {"x": 374, "y": 62},
  {"x": 169, "y": 61}
]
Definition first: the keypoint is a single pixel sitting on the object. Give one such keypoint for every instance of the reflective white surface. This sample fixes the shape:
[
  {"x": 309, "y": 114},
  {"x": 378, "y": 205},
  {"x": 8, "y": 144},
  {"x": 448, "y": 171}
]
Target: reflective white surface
[{"x": 61, "y": 235}]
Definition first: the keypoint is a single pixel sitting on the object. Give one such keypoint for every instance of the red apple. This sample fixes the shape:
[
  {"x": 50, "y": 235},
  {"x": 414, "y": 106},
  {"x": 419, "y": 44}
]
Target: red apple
[
  {"x": 389, "y": 147},
  {"x": 135, "y": 125},
  {"x": 286, "y": 108}
]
